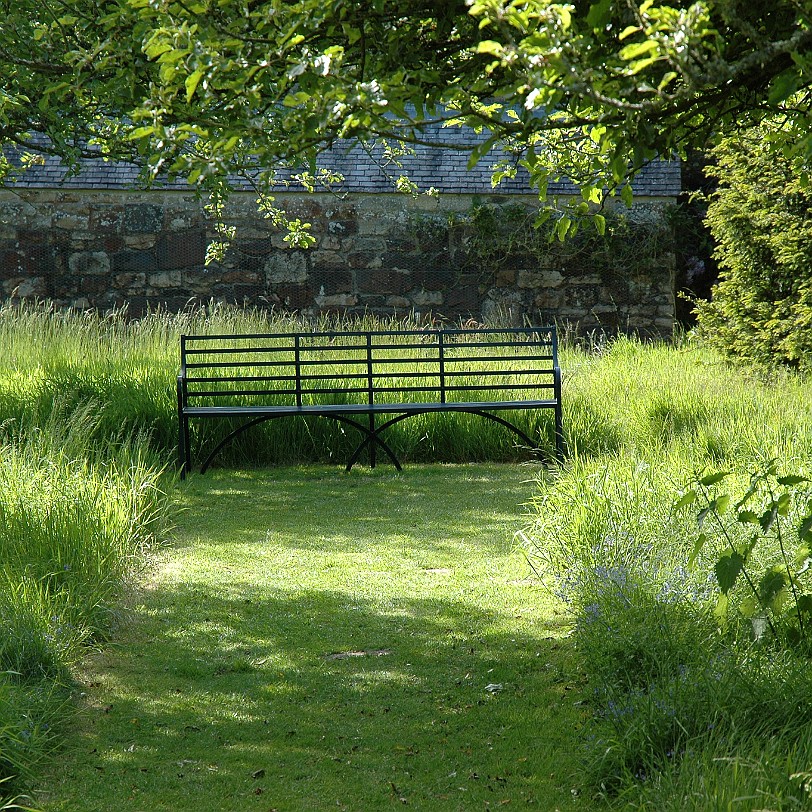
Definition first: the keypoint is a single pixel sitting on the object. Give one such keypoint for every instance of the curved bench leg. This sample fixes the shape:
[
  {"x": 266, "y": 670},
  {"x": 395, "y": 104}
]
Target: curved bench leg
[
  {"x": 374, "y": 444},
  {"x": 507, "y": 424},
  {"x": 370, "y": 435},
  {"x": 373, "y": 440},
  {"x": 374, "y": 436},
  {"x": 230, "y": 436}
]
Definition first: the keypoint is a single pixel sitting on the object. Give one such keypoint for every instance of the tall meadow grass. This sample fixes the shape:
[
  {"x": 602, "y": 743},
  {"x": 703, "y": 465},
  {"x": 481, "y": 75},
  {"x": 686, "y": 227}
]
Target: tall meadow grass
[
  {"x": 81, "y": 501},
  {"x": 690, "y": 710},
  {"x": 73, "y": 528}
]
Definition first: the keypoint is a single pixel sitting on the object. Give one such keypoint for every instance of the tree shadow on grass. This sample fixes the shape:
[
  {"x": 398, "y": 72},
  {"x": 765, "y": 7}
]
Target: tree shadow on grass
[
  {"x": 233, "y": 694},
  {"x": 321, "y": 699},
  {"x": 316, "y": 507}
]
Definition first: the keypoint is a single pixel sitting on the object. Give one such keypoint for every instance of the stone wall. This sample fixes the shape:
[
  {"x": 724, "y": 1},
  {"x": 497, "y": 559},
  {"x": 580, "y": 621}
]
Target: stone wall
[{"x": 380, "y": 253}]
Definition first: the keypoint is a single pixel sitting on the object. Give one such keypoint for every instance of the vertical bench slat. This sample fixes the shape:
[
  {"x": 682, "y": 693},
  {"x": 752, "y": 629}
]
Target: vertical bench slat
[{"x": 297, "y": 360}]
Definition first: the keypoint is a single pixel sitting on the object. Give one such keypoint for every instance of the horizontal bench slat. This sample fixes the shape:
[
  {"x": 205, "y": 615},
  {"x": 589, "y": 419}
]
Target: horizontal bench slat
[
  {"x": 363, "y": 359},
  {"x": 248, "y": 393},
  {"x": 411, "y": 333},
  {"x": 381, "y": 376},
  {"x": 364, "y": 408}
]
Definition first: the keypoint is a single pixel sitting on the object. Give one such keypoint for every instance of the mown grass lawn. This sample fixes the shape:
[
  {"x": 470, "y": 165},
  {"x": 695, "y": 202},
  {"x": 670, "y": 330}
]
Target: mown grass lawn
[{"x": 313, "y": 640}]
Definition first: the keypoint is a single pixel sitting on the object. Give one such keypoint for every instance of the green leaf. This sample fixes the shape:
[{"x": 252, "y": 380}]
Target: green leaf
[
  {"x": 805, "y": 530},
  {"x": 296, "y": 99},
  {"x": 599, "y": 14},
  {"x": 698, "y": 545},
  {"x": 627, "y": 195},
  {"x": 562, "y": 227},
  {"x": 783, "y": 504},
  {"x": 747, "y": 517},
  {"x": 689, "y": 497},
  {"x": 751, "y": 545},
  {"x": 666, "y": 80},
  {"x": 600, "y": 225},
  {"x": 140, "y": 132},
  {"x": 802, "y": 559},
  {"x": 489, "y": 46},
  {"x": 157, "y": 48},
  {"x": 720, "y": 610},
  {"x": 792, "y": 480},
  {"x": 721, "y": 503},
  {"x": 637, "y": 49},
  {"x": 480, "y": 151},
  {"x": 783, "y": 86},
  {"x": 794, "y": 636},
  {"x": 713, "y": 479},
  {"x": 804, "y": 604},
  {"x": 748, "y": 494},
  {"x": 727, "y": 570},
  {"x": 767, "y": 519},
  {"x": 191, "y": 83},
  {"x": 772, "y": 582},
  {"x": 750, "y": 607}
]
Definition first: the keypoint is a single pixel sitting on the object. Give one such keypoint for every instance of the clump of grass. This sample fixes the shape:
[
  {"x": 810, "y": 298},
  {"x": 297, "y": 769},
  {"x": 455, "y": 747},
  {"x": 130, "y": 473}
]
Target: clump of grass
[
  {"x": 76, "y": 518},
  {"x": 29, "y": 729},
  {"x": 747, "y": 773},
  {"x": 674, "y": 689},
  {"x": 682, "y": 402}
]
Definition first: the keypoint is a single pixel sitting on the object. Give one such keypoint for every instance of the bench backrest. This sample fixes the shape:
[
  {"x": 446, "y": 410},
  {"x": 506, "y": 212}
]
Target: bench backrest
[{"x": 387, "y": 366}]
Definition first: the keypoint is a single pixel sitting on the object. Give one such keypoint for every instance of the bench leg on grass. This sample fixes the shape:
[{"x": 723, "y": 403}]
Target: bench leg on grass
[
  {"x": 507, "y": 424},
  {"x": 374, "y": 438},
  {"x": 181, "y": 452},
  {"x": 560, "y": 447},
  {"x": 228, "y": 438},
  {"x": 184, "y": 452},
  {"x": 370, "y": 435}
]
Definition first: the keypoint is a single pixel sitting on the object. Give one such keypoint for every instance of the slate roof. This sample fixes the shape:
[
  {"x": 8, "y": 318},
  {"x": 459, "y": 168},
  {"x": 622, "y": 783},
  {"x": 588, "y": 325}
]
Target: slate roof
[{"x": 442, "y": 166}]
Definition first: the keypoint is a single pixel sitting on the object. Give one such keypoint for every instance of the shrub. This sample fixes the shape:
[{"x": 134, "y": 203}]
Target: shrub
[{"x": 761, "y": 219}]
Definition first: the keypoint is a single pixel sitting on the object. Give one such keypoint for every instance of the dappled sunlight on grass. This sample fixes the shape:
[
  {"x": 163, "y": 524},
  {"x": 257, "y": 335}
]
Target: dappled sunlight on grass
[{"x": 293, "y": 654}]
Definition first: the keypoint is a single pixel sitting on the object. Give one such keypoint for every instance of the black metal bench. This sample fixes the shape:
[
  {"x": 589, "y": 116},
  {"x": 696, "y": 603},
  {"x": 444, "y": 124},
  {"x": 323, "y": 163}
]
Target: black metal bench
[{"x": 359, "y": 377}]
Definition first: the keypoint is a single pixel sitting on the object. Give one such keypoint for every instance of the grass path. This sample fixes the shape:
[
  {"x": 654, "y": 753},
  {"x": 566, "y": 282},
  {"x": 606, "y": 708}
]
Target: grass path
[{"x": 317, "y": 640}]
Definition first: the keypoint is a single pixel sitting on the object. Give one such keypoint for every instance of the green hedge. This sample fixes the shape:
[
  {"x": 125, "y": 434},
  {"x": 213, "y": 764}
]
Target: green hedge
[{"x": 761, "y": 219}]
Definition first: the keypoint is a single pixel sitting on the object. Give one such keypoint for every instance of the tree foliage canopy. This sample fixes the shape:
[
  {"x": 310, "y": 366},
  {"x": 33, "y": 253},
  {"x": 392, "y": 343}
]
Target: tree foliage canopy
[{"x": 586, "y": 90}]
